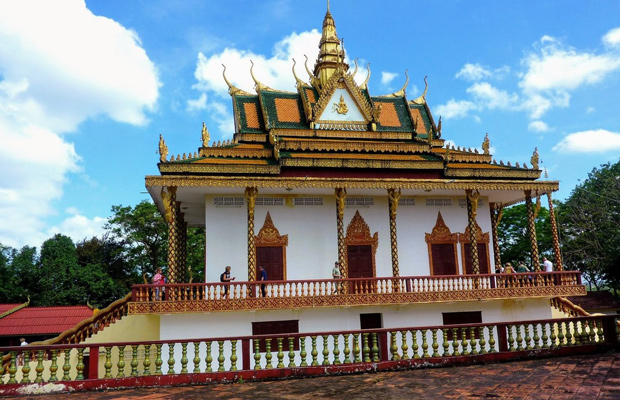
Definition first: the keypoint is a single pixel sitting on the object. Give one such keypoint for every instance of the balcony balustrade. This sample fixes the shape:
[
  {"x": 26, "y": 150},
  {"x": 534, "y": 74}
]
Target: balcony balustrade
[
  {"x": 151, "y": 363},
  {"x": 184, "y": 297}
]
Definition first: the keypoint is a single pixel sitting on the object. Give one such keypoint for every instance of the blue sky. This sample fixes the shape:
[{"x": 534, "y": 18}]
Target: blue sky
[{"x": 87, "y": 87}]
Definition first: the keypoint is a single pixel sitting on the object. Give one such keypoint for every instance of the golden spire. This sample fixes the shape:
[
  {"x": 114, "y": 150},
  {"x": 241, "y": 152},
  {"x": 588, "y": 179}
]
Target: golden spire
[{"x": 331, "y": 53}]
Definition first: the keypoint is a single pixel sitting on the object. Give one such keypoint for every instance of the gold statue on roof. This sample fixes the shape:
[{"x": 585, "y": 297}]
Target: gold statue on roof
[
  {"x": 534, "y": 159},
  {"x": 163, "y": 149},
  {"x": 205, "y": 136},
  {"x": 341, "y": 106},
  {"x": 486, "y": 144}
]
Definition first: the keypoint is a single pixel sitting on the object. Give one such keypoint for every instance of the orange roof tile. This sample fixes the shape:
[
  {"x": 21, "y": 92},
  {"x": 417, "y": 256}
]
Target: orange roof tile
[
  {"x": 388, "y": 117},
  {"x": 417, "y": 118},
  {"x": 310, "y": 95},
  {"x": 287, "y": 110},
  {"x": 251, "y": 115}
]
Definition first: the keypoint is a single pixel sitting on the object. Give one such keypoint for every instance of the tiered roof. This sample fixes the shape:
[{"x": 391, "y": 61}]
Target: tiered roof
[{"x": 332, "y": 125}]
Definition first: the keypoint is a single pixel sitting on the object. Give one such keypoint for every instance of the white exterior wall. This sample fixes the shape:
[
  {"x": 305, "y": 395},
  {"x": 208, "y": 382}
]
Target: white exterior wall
[
  {"x": 226, "y": 324},
  {"x": 312, "y": 234}
]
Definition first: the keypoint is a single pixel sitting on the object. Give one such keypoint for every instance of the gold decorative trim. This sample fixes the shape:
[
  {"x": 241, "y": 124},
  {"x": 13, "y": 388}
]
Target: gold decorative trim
[
  {"x": 220, "y": 168},
  {"x": 343, "y": 134},
  {"x": 341, "y": 80},
  {"x": 252, "y": 137},
  {"x": 457, "y": 156},
  {"x": 474, "y": 172},
  {"x": 353, "y": 299},
  {"x": 360, "y": 163},
  {"x": 269, "y": 236},
  {"x": 350, "y": 183},
  {"x": 237, "y": 152},
  {"x": 348, "y": 145}
]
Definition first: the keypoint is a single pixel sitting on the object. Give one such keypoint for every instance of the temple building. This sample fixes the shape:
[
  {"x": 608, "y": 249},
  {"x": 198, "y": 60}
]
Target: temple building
[
  {"x": 331, "y": 173},
  {"x": 377, "y": 239}
]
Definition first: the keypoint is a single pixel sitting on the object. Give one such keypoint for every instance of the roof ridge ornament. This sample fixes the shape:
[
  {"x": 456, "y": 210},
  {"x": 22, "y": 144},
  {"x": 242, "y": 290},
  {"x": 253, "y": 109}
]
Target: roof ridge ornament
[
  {"x": 364, "y": 85},
  {"x": 486, "y": 144},
  {"x": 314, "y": 81},
  {"x": 232, "y": 89},
  {"x": 205, "y": 135},
  {"x": 163, "y": 149},
  {"x": 422, "y": 98},
  {"x": 535, "y": 158},
  {"x": 401, "y": 92},
  {"x": 299, "y": 81},
  {"x": 257, "y": 85},
  {"x": 355, "y": 71}
]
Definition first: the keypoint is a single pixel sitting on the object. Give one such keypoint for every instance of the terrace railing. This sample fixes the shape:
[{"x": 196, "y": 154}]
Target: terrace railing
[
  {"x": 329, "y": 292},
  {"x": 83, "y": 366}
]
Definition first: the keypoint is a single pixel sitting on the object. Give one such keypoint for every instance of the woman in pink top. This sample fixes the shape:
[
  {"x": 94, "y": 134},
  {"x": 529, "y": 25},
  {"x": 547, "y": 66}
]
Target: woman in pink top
[{"x": 158, "y": 279}]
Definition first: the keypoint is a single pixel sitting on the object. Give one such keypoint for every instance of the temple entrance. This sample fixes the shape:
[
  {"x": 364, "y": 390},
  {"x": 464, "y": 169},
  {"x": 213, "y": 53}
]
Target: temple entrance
[
  {"x": 359, "y": 260},
  {"x": 272, "y": 259},
  {"x": 361, "y": 249}
]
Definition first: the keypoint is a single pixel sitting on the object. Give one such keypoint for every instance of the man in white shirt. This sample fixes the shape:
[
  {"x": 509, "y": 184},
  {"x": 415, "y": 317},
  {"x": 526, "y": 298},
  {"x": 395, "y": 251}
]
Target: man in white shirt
[{"x": 548, "y": 265}]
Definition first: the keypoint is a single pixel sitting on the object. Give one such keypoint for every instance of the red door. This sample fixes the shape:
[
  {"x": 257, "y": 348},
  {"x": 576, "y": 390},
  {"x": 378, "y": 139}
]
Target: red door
[
  {"x": 482, "y": 258},
  {"x": 272, "y": 260},
  {"x": 359, "y": 260},
  {"x": 444, "y": 262}
]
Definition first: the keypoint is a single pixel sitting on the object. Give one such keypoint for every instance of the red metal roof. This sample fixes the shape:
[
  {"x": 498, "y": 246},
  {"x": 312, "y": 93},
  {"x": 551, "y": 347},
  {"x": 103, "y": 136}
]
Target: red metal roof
[{"x": 43, "y": 320}]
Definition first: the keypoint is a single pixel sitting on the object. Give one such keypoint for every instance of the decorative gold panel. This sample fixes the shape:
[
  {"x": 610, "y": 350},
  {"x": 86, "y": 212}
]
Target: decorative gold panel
[{"x": 269, "y": 235}]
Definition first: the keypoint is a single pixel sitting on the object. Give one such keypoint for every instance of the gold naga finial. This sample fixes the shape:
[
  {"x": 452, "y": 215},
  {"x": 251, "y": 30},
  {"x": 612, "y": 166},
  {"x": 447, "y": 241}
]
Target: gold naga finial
[
  {"x": 299, "y": 81},
  {"x": 365, "y": 84},
  {"x": 486, "y": 143},
  {"x": 232, "y": 89},
  {"x": 401, "y": 92},
  {"x": 438, "y": 128},
  {"x": 314, "y": 81},
  {"x": 257, "y": 85},
  {"x": 535, "y": 158},
  {"x": 163, "y": 149},
  {"x": 354, "y": 71},
  {"x": 422, "y": 98}
]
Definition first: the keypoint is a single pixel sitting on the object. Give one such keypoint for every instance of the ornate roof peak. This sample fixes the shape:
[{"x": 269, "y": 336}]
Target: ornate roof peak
[{"x": 331, "y": 51}]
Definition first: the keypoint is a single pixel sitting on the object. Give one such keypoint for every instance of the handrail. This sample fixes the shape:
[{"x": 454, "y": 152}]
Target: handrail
[
  {"x": 568, "y": 307},
  {"x": 324, "y": 287}
]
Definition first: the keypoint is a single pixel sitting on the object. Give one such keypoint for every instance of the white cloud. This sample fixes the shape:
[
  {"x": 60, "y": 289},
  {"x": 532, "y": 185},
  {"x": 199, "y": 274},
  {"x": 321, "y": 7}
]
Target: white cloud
[
  {"x": 79, "y": 227},
  {"x": 274, "y": 71},
  {"x": 491, "y": 97},
  {"x": 473, "y": 72},
  {"x": 591, "y": 141},
  {"x": 538, "y": 126},
  {"x": 59, "y": 66},
  {"x": 455, "y": 109},
  {"x": 198, "y": 104},
  {"x": 387, "y": 77},
  {"x": 590, "y": 110},
  {"x": 612, "y": 38}
]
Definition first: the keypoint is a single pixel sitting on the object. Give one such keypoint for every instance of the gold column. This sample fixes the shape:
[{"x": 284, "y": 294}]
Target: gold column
[
  {"x": 393, "y": 196},
  {"x": 341, "y": 195},
  {"x": 472, "y": 210},
  {"x": 554, "y": 233},
  {"x": 172, "y": 216},
  {"x": 531, "y": 228},
  {"x": 496, "y": 215},
  {"x": 250, "y": 195}
]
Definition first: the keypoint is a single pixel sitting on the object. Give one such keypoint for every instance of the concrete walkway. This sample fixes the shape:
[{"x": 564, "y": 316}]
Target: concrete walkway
[{"x": 577, "y": 377}]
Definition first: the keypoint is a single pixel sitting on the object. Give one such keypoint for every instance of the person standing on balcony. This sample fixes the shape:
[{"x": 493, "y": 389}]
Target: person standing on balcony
[
  {"x": 262, "y": 277},
  {"x": 225, "y": 277},
  {"x": 522, "y": 267},
  {"x": 548, "y": 265},
  {"x": 158, "y": 279},
  {"x": 336, "y": 275}
]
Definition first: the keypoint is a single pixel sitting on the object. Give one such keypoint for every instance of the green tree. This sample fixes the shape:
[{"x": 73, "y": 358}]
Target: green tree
[
  {"x": 144, "y": 234},
  {"x": 513, "y": 238},
  {"x": 20, "y": 278},
  {"x": 590, "y": 221}
]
